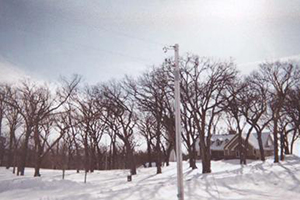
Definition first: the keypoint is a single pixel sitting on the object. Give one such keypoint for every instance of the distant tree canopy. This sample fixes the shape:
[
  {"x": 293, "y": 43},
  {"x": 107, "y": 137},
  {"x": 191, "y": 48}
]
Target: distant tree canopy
[{"x": 95, "y": 127}]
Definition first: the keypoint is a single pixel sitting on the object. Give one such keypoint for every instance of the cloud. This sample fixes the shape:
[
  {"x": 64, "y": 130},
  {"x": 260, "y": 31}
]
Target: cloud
[
  {"x": 11, "y": 73},
  {"x": 294, "y": 58},
  {"x": 246, "y": 68}
]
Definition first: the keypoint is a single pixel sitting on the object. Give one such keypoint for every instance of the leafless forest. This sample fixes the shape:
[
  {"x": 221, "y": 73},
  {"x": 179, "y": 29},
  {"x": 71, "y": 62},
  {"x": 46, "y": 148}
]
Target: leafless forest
[{"x": 123, "y": 124}]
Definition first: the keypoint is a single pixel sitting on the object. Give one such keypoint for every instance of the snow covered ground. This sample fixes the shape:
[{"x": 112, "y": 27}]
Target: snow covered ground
[{"x": 229, "y": 180}]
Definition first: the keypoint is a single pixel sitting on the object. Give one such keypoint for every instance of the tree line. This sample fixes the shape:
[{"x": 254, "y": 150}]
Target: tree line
[{"x": 102, "y": 126}]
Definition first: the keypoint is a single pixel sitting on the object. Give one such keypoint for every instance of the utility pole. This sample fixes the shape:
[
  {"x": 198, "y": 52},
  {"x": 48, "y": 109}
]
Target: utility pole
[{"x": 180, "y": 190}]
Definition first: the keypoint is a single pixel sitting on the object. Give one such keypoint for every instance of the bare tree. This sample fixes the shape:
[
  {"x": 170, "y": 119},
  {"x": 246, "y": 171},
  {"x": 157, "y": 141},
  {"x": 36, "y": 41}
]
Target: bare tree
[
  {"x": 292, "y": 109},
  {"x": 235, "y": 105},
  {"x": 13, "y": 122},
  {"x": 281, "y": 78},
  {"x": 208, "y": 82},
  {"x": 190, "y": 134},
  {"x": 119, "y": 108},
  {"x": 35, "y": 104},
  {"x": 152, "y": 94},
  {"x": 146, "y": 126},
  {"x": 255, "y": 106},
  {"x": 2, "y": 106}
]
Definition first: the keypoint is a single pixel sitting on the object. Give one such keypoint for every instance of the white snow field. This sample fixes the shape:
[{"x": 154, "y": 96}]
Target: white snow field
[{"x": 229, "y": 180}]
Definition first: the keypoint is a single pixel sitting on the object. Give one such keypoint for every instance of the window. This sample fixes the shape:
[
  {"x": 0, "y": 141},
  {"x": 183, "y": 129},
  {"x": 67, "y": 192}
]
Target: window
[
  {"x": 237, "y": 153},
  {"x": 219, "y": 142}
]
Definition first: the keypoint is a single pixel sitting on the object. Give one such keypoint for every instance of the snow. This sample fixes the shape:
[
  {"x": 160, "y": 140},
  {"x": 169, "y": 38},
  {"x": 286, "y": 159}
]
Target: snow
[
  {"x": 218, "y": 142},
  {"x": 296, "y": 149},
  {"x": 223, "y": 140},
  {"x": 254, "y": 142},
  {"x": 229, "y": 180}
]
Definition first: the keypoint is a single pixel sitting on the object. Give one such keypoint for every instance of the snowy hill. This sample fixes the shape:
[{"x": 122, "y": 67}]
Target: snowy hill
[{"x": 229, "y": 180}]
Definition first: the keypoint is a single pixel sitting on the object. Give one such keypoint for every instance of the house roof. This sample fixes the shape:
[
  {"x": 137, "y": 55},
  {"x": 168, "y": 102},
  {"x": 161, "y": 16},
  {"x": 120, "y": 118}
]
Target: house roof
[
  {"x": 254, "y": 142},
  {"x": 218, "y": 142}
]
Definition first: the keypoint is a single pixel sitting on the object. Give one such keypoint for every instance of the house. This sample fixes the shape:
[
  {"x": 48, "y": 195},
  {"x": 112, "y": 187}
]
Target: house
[
  {"x": 217, "y": 144},
  {"x": 226, "y": 146},
  {"x": 231, "y": 150}
]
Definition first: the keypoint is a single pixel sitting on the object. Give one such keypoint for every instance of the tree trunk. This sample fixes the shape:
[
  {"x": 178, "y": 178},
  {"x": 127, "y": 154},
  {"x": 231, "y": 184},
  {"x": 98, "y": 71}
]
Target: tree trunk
[
  {"x": 63, "y": 161},
  {"x": 281, "y": 146},
  {"x": 194, "y": 155},
  {"x": 114, "y": 152},
  {"x": 23, "y": 157},
  {"x": 70, "y": 157},
  {"x": 101, "y": 160},
  {"x": 245, "y": 150},
  {"x": 37, "y": 167},
  {"x": 93, "y": 159},
  {"x": 168, "y": 152},
  {"x": 293, "y": 141},
  {"x": 204, "y": 148},
  {"x": 192, "y": 160},
  {"x": 131, "y": 160},
  {"x": 241, "y": 151},
  {"x": 275, "y": 132},
  {"x": 158, "y": 155},
  {"x": 38, "y": 161},
  {"x": 38, "y": 152},
  {"x": 149, "y": 154},
  {"x": 207, "y": 165},
  {"x": 10, "y": 155},
  {"x": 15, "y": 160},
  {"x": 205, "y": 157},
  {"x": 78, "y": 159},
  {"x": 286, "y": 145},
  {"x": 86, "y": 158},
  {"x": 261, "y": 147}
]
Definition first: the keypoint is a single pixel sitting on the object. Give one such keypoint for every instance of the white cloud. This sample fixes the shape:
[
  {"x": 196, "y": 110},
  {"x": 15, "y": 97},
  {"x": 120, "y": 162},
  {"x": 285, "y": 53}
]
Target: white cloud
[
  {"x": 246, "y": 68},
  {"x": 11, "y": 73}
]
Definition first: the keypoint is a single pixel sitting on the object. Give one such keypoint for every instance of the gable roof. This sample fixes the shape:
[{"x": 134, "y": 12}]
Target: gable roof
[
  {"x": 218, "y": 142},
  {"x": 214, "y": 144},
  {"x": 264, "y": 137}
]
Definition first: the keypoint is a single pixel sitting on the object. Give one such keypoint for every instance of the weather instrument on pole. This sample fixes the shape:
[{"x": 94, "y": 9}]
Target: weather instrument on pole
[{"x": 180, "y": 194}]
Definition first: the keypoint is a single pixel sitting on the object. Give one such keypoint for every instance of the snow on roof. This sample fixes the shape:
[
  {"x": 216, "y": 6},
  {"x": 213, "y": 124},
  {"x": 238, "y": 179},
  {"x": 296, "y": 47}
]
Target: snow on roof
[
  {"x": 218, "y": 142},
  {"x": 254, "y": 142}
]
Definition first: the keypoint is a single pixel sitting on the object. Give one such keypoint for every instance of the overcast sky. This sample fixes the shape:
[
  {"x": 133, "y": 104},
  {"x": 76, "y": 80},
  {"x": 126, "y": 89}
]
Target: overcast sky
[{"x": 107, "y": 39}]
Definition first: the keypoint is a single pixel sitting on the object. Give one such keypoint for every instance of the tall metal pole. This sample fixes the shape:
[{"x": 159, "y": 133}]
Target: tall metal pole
[{"x": 180, "y": 194}]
